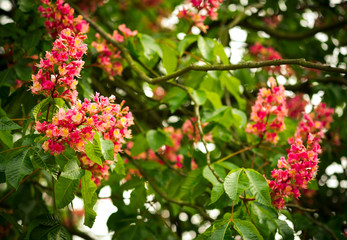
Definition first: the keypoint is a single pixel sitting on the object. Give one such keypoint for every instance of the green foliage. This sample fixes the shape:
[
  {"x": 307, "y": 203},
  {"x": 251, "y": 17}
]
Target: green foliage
[
  {"x": 161, "y": 183},
  {"x": 89, "y": 196}
]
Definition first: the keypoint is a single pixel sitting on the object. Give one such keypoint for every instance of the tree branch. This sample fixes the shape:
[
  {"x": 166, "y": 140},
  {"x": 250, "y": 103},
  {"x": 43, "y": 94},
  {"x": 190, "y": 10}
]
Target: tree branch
[{"x": 300, "y": 62}]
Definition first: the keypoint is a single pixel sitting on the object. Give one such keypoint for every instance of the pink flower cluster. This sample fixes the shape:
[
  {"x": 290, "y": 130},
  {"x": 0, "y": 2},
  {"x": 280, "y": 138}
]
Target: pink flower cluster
[
  {"x": 190, "y": 129},
  {"x": 169, "y": 153},
  {"x": 199, "y": 11},
  {"x": 302, "y": 163},
  {"x": 76, "y": 127},
  {"x": 295, "y": 172},
  {"x": 262, "y": 53},
  {"x": 273, "y": 21},
  {"x": 109, "y": 57},
  {"x": 296, "y": 106},
  {"x": 90, "y": 5},
  {"x": 56, "y": 76},
  {"x": 316, "y": 123},
  {"x": 59, "y": 16},
  {"x": 268, "y": 113}
]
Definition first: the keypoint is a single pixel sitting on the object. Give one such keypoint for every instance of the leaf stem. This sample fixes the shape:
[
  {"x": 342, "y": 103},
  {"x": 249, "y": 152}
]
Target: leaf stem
[
  {"x": 53, "y": 190},
  {"x": 12, "y": 190},
  {"x": 8, "y": 150}
]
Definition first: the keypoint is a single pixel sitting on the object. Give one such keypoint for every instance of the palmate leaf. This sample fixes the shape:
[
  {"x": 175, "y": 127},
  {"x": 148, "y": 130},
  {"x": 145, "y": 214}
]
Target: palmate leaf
[
  {"x": 72, "y": 170},
  {"x": 219, "y": 230},
  {"x": 217, "y": 192},
  {"x": 247, "y": 230},
  {"x": 235, "y": 183},
  {"x": 18, "y": 167},
  {"x": 259, "y": 187},
  {"x": 89, "y": 196},
  {"x": 283, "y": 228},
  {"x": 93, "y": 150},
  {"x": 65, "y": 191},
  {"x": 155, "y": 139},
  {"x": 8, "y": 124},
  {"x": 45, "y": 161}
]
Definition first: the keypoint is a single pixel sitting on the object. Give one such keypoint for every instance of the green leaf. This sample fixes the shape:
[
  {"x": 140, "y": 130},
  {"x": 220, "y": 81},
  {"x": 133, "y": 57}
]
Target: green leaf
[
  {"x": 155, "y": 139},
  {"x": 286, "y": 232},
  {"x": 150, "y": 46},
  {"x": 214, "y": 99},
  {"x": 186, "y": 42},
  {"x": 247, "y": 230},
  {"x": 259, "y": 187},
  {"x": 235, "y": 183},
  {"x": 59, "y": 102},
  {"x": 107, "y": 149},
  {"x": 26, "y": 5},
  {"x": 206, "y": 46},
  {"x": 217, "y": 192},
  {"x": 45, "y": 161},
  {"x": 7, "y": 138},
  {"x": 8, "y": 124},
  {"x": 58, "y": 232},
  {"x": 220, "y": 232},
  {"x": 6, "y": 76},
  {"x": 72, "y": 170},
  {"x": 140, "y": 144},
  {"x": 18, "y": 167},
  {"x": 89, "y": 196},
  {"x": 232, "y": 84},
  {"x": 32, "y": 39},
  {"x": 175, "y": 97},
  {"x": 93, "y": 150},
  {"x": 37, "y": 109},
  {"x": 120, "y": 168},
  {"x": 239, "y": 118},
  {"x": 65, "y": 191},
  {"x": 23, "y": 71},
  {"x": 169, "y": 58},
  {"x": 208, "y": 175},
  {"x": 219, "y": 51},
  {"x": 199, "y": 96}
]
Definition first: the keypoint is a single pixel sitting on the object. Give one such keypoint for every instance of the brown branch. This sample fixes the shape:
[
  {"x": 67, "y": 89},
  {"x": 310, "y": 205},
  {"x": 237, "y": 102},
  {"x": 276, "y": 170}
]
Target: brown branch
[
  {"x": 290, "y": 35},
  {"x": 300, "y": 62},
  {"x": 126, "y": 54},
  {"x": 300, "y": 207}
]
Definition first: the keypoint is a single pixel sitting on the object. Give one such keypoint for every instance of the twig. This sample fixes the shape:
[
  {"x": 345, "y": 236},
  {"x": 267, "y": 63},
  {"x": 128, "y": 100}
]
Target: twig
[
  {"x": 300, "y": 207},
  {"x": 234, "y": 154},
  {"x": 208, "y": 157},
  {"x": 8, "y": 150},
  {"x": 324, "y": 226},
  {"x": 164, "y": 195},
  {"x": 12, "y": 190}
]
